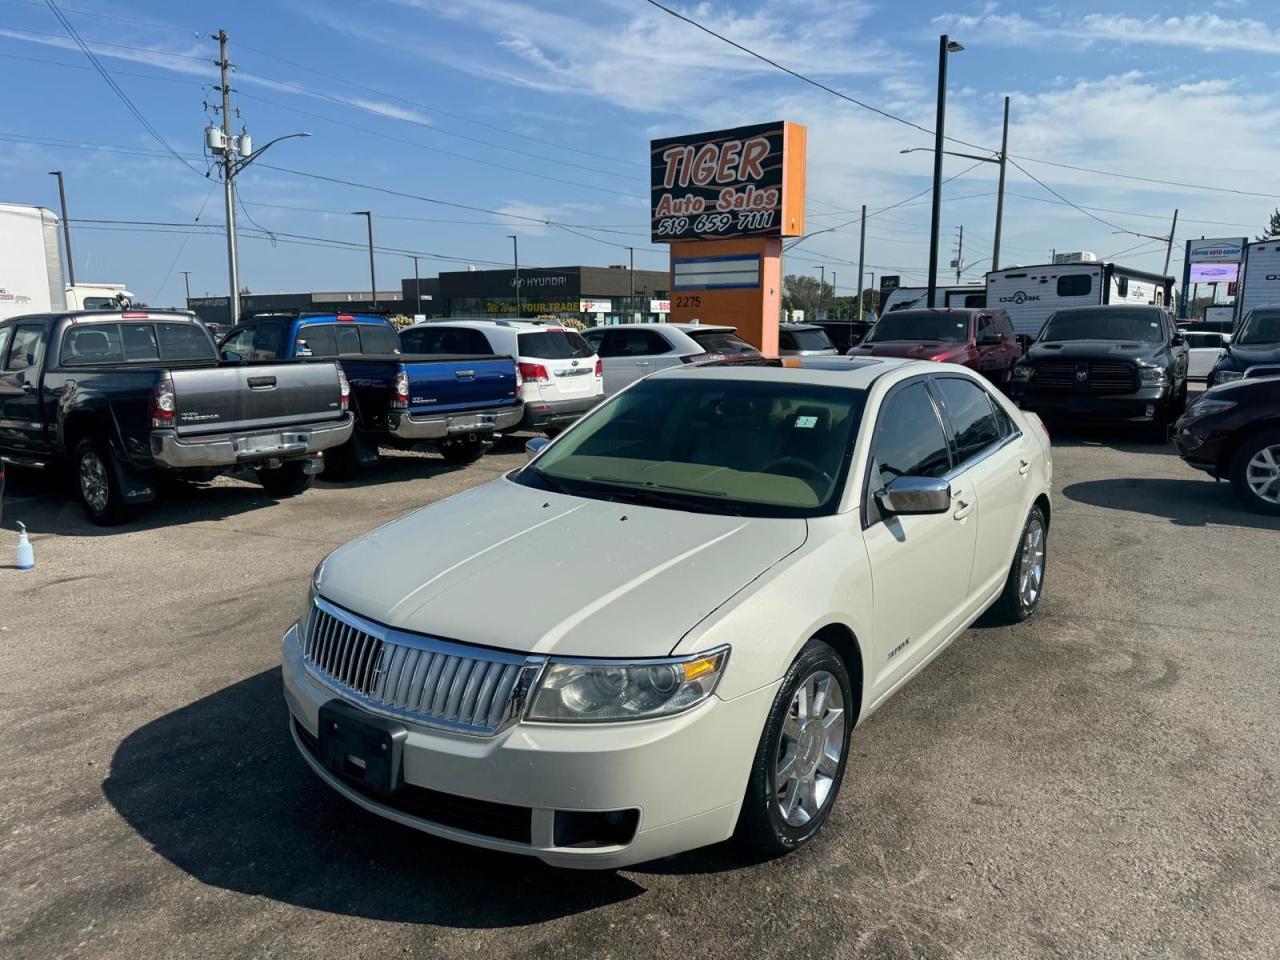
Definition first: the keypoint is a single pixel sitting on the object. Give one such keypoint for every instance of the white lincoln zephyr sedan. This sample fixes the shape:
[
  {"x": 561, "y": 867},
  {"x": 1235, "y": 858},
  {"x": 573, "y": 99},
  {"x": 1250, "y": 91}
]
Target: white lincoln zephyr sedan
[{"x": 662, "y": 630}]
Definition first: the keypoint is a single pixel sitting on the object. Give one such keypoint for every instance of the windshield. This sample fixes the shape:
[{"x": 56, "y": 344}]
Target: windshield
[
  {"x": 1101, "y": 323},
  {"x": 1260, "y": 326},
  {"x": 920, "y": 325},
  {"x": 741, "y": 447}
]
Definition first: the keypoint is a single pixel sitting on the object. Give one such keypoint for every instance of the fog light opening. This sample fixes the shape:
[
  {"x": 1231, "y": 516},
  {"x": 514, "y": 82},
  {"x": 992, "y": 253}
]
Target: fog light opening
[{"x": 580, "y": 829}]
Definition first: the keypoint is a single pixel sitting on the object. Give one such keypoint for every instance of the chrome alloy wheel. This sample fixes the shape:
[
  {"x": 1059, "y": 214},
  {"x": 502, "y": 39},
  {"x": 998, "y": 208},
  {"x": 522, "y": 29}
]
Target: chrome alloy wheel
[
  {"x": 93, "y": 481},
  {"x": 809, "y": 749},
  {"x": 1262, "y": 474},
  {"x": 1031, "y": 569}
]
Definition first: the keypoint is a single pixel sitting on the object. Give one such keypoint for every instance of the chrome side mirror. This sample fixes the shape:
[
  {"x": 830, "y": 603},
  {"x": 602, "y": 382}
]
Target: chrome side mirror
[
  {"x": 534, "y": 447},
  {"x": 905, "y": 496}
]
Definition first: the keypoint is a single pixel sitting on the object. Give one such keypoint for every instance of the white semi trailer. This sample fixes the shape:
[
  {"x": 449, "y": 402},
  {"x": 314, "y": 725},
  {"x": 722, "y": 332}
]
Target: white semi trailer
[{"x": 31, "y": 278}]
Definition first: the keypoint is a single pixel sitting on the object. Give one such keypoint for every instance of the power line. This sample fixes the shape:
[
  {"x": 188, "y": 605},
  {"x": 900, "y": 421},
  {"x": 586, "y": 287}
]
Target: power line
[
  {"x": 1075, "y": 206},
  {"x": 115, "y": 87},
  {"x": 183, "y": 245}
]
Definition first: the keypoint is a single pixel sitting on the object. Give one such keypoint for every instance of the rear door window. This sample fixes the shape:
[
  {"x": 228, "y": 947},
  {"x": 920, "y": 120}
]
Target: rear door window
[
  {"x": 973, "y": 422},
  {"x": 554, "y": 345},
  {"x": 27, "y": 349},
  {"x": 441, "y": 340},
  {"x": 634, "y": 343}
]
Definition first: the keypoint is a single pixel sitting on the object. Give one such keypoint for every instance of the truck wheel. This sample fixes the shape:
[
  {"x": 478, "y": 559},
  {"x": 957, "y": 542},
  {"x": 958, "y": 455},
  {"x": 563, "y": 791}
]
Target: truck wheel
[
  {"x": 1255, "y": 472},
  {"x": 287, "y": 480},
  {"x": 463, "y": 451},
  {"x": 800, "y": 761},
  {"x": 96, "y": 484}
]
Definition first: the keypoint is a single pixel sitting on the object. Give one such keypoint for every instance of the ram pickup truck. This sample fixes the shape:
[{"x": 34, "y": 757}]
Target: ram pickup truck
[
  {"x": 124, "y": 397},
  {"x": 454, "y": 402}
]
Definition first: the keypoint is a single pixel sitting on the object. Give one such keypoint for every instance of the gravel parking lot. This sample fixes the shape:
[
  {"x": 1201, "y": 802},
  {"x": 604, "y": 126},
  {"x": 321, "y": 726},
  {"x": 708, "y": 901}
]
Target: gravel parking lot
[{"x": 1100, "y": 781}]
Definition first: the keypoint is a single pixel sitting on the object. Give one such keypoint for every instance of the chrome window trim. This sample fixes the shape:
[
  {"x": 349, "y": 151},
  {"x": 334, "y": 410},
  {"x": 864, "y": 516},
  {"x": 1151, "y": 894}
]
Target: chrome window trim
[{"x": 531, "y": 671}]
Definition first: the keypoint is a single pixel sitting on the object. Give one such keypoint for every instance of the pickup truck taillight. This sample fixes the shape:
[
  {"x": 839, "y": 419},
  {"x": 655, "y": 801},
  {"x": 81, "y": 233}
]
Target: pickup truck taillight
[
  {"x": 400, "y": 391},
  {"x": 534, "y": 373},
  {"x": 599, "y": 367},
  {"x": 519, "y": 385},
  {"x": 344, "y": 390},
  {"x": 163, "y": 404}
]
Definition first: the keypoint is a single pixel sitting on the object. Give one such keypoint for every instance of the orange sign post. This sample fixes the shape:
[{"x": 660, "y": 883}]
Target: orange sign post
[{"x": 724, "y": 201}]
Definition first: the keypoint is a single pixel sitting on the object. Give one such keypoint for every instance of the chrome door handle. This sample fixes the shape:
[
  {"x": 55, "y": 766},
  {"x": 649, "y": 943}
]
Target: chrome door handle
[
  {"x": 963, "y": 507},
  {"x": 1024, "y": 467}
]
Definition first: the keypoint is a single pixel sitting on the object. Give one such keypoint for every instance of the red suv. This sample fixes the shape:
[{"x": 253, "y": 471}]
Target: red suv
[{"x": 980, "y": 339}]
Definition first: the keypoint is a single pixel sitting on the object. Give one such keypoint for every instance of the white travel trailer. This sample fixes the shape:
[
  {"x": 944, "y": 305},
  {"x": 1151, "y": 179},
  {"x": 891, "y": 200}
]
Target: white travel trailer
[
  {"x": 1259, "y": 278},
  {"x": 914, "y": 298},
  {"x": 1031, "y": 294}
]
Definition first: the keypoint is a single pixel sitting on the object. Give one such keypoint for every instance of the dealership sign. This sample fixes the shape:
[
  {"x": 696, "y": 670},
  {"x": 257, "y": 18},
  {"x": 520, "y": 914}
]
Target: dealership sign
[
  {"x": 659, "y": 306},
  {"x": 744, "y": 182},
  {"x": 595, "y": 306},
  {"x": 1216, "y": 251}
]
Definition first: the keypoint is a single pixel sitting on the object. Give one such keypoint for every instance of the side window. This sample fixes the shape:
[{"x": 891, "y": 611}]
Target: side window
[
  {"x": 27, "y": 349},
  {"x": 267, "y": 340},
  {"x": 1005, "y": 325},
  {"x": 1078, "y": 285},
  {"x": 638, "y": 343},
  {"x": 986, "y": 326},
  {"x": 438, "y": 340},
  {"x": 5, "y": 333},
  {"x": 611, "y": 344},
  {"x": 973, "y": 422},
  {"x": 316, "y": 340},
  {"x": 240, "y": 342},
  {"x": 909, "y": 439},
  {"x": 1122, "y": 286}
]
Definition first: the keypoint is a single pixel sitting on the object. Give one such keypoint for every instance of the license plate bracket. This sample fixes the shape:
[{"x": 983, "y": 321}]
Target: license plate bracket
[{"x": 362, "y": 747}]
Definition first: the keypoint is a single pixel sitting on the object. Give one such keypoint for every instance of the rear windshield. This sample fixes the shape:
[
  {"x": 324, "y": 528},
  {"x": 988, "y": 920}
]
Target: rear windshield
[
  {"x": 345, "y": 340},
  {"x": 1102, "y": 323},
  {"x": 723, "y": 341},
  {"x": 805, "y": 340},
  {"x": 135, "y": 343},
  {"x": 920, "y": 325},
  {"x": 554, "y": 345},
  {"x": 1260, "y": 326},
  {"x": 460, "y": 341}
]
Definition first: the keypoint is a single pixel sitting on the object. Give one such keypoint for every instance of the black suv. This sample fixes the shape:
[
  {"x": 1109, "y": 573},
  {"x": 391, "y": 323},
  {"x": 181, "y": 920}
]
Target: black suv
[
  {"x": 1232, "y": 432},
  {"x": 1120, "y": 363},
  {"x": 1255, "y": 349}
]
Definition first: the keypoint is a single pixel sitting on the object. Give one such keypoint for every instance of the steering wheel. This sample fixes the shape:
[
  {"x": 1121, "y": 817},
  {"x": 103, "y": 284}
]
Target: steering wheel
[{"x": 809, "y": 468}]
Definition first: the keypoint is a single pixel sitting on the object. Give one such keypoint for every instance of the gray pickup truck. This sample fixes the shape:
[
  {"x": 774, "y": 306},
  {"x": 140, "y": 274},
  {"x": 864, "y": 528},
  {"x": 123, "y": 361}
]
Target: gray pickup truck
[{"x": 122, "y": 398}]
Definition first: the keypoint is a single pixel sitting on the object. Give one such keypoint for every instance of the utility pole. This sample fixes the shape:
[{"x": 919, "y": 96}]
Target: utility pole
[
  {"x": 373, "y": 279},
  {"x": 631, "y": 251},
  {"x": 1168, "y": 250},
  {"x": 66, "y": 227},
  {"x": 228, "y": 178},
  {"x": 862, "y": 252},
  {"x": 960, "y": 255},
  {"x": 515, "y": 258},
  {"x": 1004, "y": 162},
  {"x": 835, "y": 297},
  {"x": 822, "y": 287},
  {"x": 946, "y": 46},
  {"x": 186, "y": 279},
  {"x": 874, "y": 295}
]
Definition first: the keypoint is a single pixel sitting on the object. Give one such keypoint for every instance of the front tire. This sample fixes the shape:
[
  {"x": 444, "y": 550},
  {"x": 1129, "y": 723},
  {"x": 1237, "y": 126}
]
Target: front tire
[
  {"x": 1025, "y": 584},
  {"x": 1255, "y": 473},
  {"x": 287, "y": 480},
  {"x": 800, "y": 761},
  {"x": 96, "y": 484}
]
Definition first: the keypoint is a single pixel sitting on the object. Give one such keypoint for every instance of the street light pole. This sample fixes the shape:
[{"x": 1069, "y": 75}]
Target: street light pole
[
  {"x": 417, "y": 289},
  {"x": 66, "y": 227},
  {"x": 186, "y": 279},
  {"x": 862, "y": 252},
  {"x": 631, "y": 252},
  {"x": 822, "y": 286},
  {"x": 1004, "y": 162},
  {"x": 945, "y": 46},
  {"x": 515, "y": 259},
  {"x": 373, "y": 279}
]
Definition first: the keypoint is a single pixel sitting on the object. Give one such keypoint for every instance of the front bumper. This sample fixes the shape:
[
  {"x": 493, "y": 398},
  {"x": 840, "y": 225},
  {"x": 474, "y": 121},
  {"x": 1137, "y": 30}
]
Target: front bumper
[
  {"x": 406, "y": 426},
  {"x": 228, "y": 450},
  {"x": 686, "y": 775},
  {"x": 557, "y": 413},
  {"x": 1142, "y": 406},
  {"x": 1199, "y": 443}
]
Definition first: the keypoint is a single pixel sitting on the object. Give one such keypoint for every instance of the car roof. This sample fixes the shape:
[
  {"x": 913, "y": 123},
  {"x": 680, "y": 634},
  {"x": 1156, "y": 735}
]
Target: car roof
[
  {"x": 856, "y": 373},
  {"x": 695, "y": 327},
  {"x": 793, "y": 326}
]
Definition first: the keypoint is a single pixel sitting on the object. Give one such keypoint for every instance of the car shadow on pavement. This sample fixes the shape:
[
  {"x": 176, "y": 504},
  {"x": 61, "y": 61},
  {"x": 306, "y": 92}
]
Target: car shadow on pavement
[
  {"x": 1116, "y": 436},
  {"x": 218, "y": 789},
  {"x": 1187, "y": 503}
]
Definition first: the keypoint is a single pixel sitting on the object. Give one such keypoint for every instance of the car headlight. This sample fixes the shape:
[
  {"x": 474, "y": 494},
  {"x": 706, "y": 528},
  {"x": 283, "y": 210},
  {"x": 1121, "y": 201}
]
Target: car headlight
[
  {"x": 304, "y": 619},
  {"x": 1227, "y": 376},
  {"x": 1022, "y": 373},
  {"x": 578, "y": 691},
  {"x": 1206, "y": 406},
  {"x": 1153, "y": 375}
]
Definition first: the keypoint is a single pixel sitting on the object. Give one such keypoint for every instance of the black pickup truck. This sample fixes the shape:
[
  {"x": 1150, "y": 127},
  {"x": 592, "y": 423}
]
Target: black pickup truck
[{"x": 122, "y": 398}]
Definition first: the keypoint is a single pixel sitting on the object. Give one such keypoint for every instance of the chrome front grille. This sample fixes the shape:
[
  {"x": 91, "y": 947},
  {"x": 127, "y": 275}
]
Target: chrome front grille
[
  {"x": 1101, "y": 376},
  {"x": 433, "y": 682}
]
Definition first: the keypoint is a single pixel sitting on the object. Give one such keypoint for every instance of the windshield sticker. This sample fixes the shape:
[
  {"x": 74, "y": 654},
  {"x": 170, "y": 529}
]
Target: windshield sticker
[{"x": 806, "y": 423}]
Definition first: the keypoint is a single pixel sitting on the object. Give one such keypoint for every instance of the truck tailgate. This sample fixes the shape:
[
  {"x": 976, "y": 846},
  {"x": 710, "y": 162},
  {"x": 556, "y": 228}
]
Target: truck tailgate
[
  {"x": 255, "y": 396},
  {"x": 439, "y": 383}
]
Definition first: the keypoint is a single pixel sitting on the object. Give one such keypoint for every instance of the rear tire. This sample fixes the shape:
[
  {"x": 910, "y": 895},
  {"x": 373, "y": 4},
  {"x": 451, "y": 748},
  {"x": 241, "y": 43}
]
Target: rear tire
[
  {"x": 1255, "y": 472},
  {"x": 287, "y": 480},
  {"x": 804, "y": 747},
  {"x": 462, "y": 452},
  {"x": 1025, "y": 584},
  {"x": 94, "y": 476}
]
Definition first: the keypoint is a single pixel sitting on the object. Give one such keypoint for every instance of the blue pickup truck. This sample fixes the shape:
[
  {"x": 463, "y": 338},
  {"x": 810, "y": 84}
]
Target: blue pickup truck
[{"x": 453, "y": 402}]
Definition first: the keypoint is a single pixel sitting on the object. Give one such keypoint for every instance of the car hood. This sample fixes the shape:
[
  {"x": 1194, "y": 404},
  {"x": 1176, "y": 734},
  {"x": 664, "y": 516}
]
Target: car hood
[
  {"x": 1093, "y": 350},
  {"x": 1243, "y": 356},
  {"x": 914, "y": 349},
  {"x": 509, "y": 566}
]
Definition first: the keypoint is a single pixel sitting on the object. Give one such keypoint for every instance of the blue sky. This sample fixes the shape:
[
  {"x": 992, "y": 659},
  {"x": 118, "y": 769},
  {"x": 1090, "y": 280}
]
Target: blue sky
[{"x": 543, "y": 109}]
